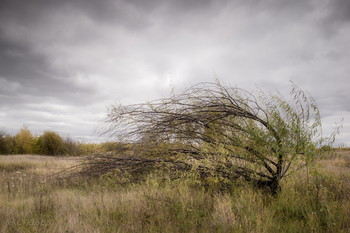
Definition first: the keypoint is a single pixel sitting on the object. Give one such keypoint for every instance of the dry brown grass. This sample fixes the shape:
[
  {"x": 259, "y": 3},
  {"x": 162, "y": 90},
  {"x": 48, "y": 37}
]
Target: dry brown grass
[
  {"x": 28, "y": 203},
  {"x": 338, "y": 163},
  {"x": 39, "y": 164},
  {"x": 223, "y": 214}
]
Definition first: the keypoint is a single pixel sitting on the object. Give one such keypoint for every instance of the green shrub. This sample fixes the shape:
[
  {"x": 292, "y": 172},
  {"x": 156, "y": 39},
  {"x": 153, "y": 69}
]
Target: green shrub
[
  {"x": 71, "y": 147},
  {"x": 7, "y": 143},
  {"x": 50, "y": 143},
  {"x": 24, "y": 142}
]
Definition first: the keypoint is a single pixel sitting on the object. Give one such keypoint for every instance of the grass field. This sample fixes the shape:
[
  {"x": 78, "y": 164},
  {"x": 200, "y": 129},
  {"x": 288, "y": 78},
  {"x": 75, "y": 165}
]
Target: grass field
[{"x": 32, "y": 201}]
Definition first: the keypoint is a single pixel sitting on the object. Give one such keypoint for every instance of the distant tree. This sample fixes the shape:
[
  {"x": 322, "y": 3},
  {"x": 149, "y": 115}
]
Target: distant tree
[
  {"x": 24, "y": 141},
  {"x": 10, "y": 144},
  {"x": 51, "y": 143},
  {"x": 260, "y": 138},
  {"x": 4, "y": 145},
  {"x": 71, "y": 147}
]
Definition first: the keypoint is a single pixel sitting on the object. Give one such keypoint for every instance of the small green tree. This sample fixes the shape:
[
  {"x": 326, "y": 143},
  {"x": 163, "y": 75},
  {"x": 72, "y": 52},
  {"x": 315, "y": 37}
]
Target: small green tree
[
  {"x": 24, "y": 141},
  {"x": 4, "y": 146},
  {"x": 11, "y": 144},
  {"x": 71, "y": 147},
  {"x": 260, "y": 138},
  {"x": 51, "y": 143}
]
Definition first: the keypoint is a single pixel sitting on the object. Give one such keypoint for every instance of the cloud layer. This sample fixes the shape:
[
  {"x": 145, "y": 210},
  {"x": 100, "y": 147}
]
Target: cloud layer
[{"x": 63, "y": 62}]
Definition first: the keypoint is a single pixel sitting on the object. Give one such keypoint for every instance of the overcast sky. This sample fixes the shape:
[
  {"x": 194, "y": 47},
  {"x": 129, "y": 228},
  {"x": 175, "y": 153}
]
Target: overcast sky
[{"x": 62, "y": 63}]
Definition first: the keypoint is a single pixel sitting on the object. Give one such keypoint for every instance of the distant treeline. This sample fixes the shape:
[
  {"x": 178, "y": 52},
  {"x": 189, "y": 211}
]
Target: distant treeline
[{"x": 49, "y": 143}]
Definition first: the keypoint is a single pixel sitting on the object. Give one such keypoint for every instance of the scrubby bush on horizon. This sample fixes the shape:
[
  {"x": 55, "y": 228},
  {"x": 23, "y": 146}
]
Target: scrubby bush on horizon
[
  {"x": 258, "y": 138},
  {"x": 24, "y": 141},
  {"x": 51, "y": 143},
  {"x": 7, "y": 143},
  {"x": 71, "y": 147}
]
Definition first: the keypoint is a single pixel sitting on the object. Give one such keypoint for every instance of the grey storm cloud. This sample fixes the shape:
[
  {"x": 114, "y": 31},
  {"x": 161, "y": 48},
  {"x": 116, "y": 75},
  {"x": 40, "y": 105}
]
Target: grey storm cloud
[
  {"x": 31, "y": 72},
  {"x": 339, "y": 11},
  {"x": 62, "y": 62}
]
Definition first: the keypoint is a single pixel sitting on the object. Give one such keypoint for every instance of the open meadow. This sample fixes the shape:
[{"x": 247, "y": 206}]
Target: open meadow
[{"x": 31, "y": 200}]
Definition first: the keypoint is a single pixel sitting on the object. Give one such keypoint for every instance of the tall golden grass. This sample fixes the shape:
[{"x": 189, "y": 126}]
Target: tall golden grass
[{"x": 313, "y": 201}]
